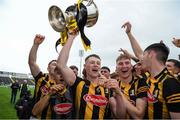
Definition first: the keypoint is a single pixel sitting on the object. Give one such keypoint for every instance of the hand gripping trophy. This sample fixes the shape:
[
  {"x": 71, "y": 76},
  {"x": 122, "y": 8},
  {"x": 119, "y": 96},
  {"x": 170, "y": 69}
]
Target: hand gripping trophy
[{"x": 76, "y": 17}]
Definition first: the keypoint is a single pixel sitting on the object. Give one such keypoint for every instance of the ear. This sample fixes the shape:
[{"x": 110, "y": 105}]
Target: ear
[
  {"x": 84, "y": 65},
  {"x": 48, "y": 68},
  {"x": 152, "y": 54},
  {"x": 176, "y": 70}
]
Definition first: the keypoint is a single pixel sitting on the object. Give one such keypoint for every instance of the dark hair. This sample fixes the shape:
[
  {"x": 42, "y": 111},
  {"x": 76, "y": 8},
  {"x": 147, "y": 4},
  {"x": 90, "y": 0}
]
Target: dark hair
[
  {"x": 105, "y": 67},
  {"x": 84, "y": 73},
  {"x": 92, "y": 55},
  {"x": 161, "y": 49},
  {"x": 52, "y": 61},
  {"x": 176, "y": 62},
  {"x": 73, "y": 67},
  {"x": 121, "y": 56}
]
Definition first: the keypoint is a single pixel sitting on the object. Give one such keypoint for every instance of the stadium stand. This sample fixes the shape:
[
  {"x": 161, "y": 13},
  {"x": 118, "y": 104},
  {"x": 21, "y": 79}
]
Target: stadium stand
[{"x": 6, "y": 78}]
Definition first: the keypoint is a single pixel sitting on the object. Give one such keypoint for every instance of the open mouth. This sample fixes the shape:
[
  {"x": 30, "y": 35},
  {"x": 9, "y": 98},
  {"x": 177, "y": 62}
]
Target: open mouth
[
  {"x": 95, "y": 70},
  {"x": 124, "y": 71}
]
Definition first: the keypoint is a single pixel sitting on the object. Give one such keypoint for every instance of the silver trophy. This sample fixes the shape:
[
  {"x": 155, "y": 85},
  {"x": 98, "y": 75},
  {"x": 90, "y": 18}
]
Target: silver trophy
[{"x": 60, "y": 20}]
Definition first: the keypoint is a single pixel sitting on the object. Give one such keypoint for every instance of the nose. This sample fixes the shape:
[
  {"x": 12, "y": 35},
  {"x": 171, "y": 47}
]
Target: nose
[{"x": 124, "y": 65}]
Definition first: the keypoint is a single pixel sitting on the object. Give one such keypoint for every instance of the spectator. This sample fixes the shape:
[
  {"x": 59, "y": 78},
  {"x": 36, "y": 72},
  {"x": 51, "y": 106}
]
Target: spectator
[
  {"x": 24, "y": 88},
  {"x": 14, "y": 88},
  {"x": 24, "y": 106}
]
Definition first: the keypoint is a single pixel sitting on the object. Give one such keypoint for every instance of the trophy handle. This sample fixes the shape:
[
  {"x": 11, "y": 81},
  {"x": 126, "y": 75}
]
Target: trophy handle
[{"x": 89, "y": 2}]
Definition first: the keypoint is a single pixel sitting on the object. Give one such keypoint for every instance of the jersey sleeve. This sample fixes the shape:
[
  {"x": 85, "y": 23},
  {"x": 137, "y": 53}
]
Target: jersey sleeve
[
  {"x": 142, "y": 88},
  {"x": 73, "y": 87},
  {"x": 36, "y": 78},
  {"x": 171, "y": 94}
]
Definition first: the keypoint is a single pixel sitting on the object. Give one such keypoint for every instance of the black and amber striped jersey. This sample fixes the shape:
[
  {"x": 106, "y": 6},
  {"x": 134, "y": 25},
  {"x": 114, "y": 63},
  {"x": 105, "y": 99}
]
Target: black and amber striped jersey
[
  {"x": 42, "y": 83},
  {"x": 137, "y": 88},
  {"x": 90, "y": 100},
  {"x": 163, "y": 95},
  {"x": 59, "y": 106}
]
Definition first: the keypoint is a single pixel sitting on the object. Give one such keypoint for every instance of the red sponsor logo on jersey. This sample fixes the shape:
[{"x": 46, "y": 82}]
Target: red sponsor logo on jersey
[
  {"x": 151, "y": 98},
  {"x": 97, "y": 100},
  {"x": 63, "y": 108}
]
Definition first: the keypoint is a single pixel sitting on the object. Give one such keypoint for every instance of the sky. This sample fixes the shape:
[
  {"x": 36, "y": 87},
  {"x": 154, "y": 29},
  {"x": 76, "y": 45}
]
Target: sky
[{"x": 21, "y": 20}]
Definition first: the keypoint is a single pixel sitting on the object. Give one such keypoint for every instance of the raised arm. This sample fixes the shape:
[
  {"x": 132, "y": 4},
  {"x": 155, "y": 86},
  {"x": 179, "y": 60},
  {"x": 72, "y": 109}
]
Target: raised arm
[
  {"x": 33, "y": 55},
  {"x": 129, "y": 54},
  {"x": 67, "y": 73},
  {"x": 135, "y": 45}
]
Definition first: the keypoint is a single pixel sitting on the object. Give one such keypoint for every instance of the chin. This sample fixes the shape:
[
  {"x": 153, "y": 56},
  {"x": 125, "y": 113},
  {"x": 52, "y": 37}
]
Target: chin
[{"x": 125, "y": 76}]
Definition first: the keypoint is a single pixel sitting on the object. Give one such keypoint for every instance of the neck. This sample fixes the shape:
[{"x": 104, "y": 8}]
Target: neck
[
  {"x": 93, "y": 79},
  {"x": 126, "y": 79},
  {"x": 156, "y": 68},
  {"x": 51, "y": 77}
]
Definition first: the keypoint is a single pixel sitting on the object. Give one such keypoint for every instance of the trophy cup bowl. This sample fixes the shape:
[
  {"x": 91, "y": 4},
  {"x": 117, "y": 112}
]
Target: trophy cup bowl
[{"x": 60, "y": 20}]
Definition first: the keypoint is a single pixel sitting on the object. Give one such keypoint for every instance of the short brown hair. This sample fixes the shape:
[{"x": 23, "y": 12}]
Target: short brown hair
[
  {"x": 92, "y": 55},
  {"x": 122, "y": 56}
]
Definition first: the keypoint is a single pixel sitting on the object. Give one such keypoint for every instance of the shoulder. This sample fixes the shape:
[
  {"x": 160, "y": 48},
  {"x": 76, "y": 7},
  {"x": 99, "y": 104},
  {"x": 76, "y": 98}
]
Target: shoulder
[
  {"x": 170, "y": 81},
  {"x": 78, "y": 81},
  {"x": 171, "y": 86},
  {"x": 40, "y": 75}
]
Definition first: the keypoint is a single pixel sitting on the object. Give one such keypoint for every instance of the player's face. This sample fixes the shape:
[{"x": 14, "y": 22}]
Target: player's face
[
  {"x": 105, "y": 72},
  {"x": 75, "y": 71},
  {"x": 124, "y": 67},
  {"x": 170, "y": 66},
  {"x": 146, "y": 60},
  {"x": 51, "y": 67},
  {"x": 138, "y": 68},
  {"x": 92, "y": 67}
]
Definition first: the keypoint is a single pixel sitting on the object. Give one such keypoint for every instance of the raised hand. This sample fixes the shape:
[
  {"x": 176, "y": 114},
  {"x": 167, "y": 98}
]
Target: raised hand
[
  {"x": 176, "y": 42},
  {"x": 102, "y": 80},
  {"x": 39, "y": 39},
  {"x": 127, "y": 26},
  {"x": 112, "y": 84},
  {"x": 125, "y": 52}
]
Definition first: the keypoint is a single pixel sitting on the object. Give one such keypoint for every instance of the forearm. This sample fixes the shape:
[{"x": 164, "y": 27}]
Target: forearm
[
  {"x": 120, "y": 107},
  {"x": 67, "y": 73},
  {"x": 33, "y": 54},
  {"x": 64, "y": 54},
  {"x": 135, "y": 46},
  {"x": 135, "y": 59},
  {"x": 137, "y": 111},
  {"x": 40, "y": 105},
  {"x": 32, "y": 59}
]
